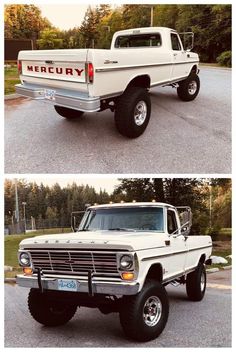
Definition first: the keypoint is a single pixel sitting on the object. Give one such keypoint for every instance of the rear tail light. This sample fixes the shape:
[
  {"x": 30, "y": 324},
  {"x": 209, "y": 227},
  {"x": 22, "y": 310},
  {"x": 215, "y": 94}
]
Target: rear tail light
[
  {"x": 90, "y": 72},
  {"x": 19, "y": 66}
]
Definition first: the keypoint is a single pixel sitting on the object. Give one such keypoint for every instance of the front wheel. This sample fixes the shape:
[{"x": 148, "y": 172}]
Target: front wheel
[
  {"x": 189, "y": 88},
  {"x": 196, "y": 283},
  {"x": 133, "y": 112},
  {"x": 69, "y": 114},
  {"x": 144, "y": 316},
  {"x": 48, "y": 312}
]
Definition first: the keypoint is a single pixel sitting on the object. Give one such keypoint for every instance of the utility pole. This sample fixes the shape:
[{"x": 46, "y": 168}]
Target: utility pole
[
  {"x": 151, "y": 14},
  {"x": 24, "y": 204},
  {"x": 151, "y": 22},
  {"x": 16, "y": 203},
  {"x": 210, "y": 205}
]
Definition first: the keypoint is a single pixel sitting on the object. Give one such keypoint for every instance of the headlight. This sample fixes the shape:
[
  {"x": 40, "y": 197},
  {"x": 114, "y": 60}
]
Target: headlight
[
  {"x": 24, "y": 259},
  {"x": 126, "y": 262}
]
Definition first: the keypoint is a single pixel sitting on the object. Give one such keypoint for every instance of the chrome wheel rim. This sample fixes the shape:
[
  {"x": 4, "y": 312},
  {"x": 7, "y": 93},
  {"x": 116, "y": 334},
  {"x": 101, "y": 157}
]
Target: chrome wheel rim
[
  {"x": 192, "y": 87},
  {"x": 140, "y": 113},
  {"x": 203, "y": 282},
  {"x": 152, "y": 311}
]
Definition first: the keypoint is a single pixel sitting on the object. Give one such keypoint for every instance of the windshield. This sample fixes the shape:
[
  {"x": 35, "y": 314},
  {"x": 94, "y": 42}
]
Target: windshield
[{"x": 121, "y": 219}]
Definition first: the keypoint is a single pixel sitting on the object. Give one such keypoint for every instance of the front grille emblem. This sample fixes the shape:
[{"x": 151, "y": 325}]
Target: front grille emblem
[{"x": 69, "y": 261}]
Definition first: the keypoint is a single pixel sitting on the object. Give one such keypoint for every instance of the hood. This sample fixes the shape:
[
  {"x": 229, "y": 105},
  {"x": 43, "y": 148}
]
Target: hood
[{"x": 92, "y": 240}]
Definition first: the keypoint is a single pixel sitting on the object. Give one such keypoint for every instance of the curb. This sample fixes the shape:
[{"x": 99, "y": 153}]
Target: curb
[
  {"x": 202, "y": 65},
  {"x": 212, "y": 270},
  {"x": 11, "y": 96},
  {"x": 10, "y": 280}
]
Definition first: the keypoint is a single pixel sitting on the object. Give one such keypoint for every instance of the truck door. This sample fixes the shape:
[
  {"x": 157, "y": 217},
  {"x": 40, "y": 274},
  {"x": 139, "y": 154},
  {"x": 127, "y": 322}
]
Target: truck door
[
  {"x": 177, "y": 243},
  {"x": 179, "y": 67}
]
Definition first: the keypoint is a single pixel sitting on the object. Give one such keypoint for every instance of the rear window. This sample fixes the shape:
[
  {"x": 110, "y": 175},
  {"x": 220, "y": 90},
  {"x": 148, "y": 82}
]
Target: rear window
[{"x": 137, "y": 41}]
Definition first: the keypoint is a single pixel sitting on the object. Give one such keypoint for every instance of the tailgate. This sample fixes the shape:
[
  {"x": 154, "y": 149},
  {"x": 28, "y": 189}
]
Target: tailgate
[{"x": 63, "y": 65}]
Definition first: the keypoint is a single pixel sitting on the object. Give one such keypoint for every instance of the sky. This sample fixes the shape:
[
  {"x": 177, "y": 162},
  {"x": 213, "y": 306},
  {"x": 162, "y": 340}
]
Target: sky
[
  {"x": 98, "y": 182},
  {"x": 64, "y": 16}
]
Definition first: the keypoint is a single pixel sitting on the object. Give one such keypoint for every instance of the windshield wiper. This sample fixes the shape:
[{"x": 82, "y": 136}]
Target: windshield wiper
[{"x": 120, "y": 229}]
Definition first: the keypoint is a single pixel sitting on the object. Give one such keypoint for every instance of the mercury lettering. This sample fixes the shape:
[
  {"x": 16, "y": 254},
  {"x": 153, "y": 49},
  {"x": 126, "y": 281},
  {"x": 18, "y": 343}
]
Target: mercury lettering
[{"x": 58, "y": 70}]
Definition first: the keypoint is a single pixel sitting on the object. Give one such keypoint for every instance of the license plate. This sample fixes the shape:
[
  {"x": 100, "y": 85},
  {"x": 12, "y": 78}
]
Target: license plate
[
  {"x": 49, "y": 94},
  {"x": 67, "y": 285}
]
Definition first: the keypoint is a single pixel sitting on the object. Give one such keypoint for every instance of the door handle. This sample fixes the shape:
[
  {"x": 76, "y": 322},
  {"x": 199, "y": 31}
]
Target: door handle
[{"x": 175, "y": 54}]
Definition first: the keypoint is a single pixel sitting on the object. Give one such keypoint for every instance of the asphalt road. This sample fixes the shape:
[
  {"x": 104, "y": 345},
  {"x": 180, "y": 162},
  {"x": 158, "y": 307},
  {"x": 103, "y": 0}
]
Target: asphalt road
[
  {"x": 190, "y": 324},
  {"x": 192, "y": 137}
]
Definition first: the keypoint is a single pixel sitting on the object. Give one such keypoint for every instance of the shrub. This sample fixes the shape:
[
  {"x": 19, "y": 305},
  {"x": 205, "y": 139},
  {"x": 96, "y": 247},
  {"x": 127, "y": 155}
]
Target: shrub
[{"x": 225, "y": 58}]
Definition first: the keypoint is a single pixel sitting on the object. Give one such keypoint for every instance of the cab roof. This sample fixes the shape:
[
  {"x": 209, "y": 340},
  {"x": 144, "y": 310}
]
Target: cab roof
[
  {"x": 144, "y": 30},
  {"x": 131, "y": 204}
]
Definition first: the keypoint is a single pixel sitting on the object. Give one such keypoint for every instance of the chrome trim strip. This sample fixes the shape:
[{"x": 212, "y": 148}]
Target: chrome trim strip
[
  {"x": 141, "y": 66},
  {"x": 176, "y": 253},
  {"x": 53, "y": 79}
]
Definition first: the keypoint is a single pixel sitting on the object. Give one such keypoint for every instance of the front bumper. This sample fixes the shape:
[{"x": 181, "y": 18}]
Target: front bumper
[
  {"x": 63, "y": 97},
  {"x": 104, "y": 287}
]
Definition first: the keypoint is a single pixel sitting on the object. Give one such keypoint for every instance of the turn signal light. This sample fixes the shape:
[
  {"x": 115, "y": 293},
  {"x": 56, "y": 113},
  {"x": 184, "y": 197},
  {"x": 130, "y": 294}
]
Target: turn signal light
[
  {"x": 127, "y": 276},
  {"x": 27, "y": 271}
]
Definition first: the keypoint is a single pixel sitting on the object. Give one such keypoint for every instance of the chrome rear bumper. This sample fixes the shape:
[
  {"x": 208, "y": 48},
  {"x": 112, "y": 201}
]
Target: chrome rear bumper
[
  {"x": 67, "y": 98},
  {"x": 104, "y": 287}
]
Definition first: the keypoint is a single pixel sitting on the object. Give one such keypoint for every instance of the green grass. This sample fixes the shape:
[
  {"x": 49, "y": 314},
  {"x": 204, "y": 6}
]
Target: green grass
[
  {"x": 11, "y": 78},
  {"x": 225, "y": 232}
]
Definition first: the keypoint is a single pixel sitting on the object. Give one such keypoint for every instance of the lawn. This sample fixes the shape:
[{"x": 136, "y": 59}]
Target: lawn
[{"x": 11, "y": 78}]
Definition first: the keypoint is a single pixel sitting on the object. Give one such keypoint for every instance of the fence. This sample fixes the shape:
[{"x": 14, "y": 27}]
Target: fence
[{"x": 13, "y": 46}]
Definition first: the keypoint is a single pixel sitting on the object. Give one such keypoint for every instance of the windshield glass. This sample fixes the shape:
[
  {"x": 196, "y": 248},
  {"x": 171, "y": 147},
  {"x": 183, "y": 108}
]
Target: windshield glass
[{"x": 127, "y": 218}]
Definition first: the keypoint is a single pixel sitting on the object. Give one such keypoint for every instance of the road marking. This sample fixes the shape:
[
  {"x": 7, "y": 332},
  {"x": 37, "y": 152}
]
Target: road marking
[{"x": 221, "y": 287}]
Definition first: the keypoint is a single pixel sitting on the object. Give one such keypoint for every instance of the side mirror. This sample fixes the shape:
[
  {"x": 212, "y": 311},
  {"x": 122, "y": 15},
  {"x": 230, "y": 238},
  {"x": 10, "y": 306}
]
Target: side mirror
[
  {"x": 76, "y": 217},
  {"x": 187, "y": 40}
]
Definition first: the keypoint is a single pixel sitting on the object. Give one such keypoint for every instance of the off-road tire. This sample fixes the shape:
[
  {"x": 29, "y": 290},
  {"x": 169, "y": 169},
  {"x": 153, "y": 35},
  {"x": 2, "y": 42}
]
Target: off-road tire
[
  {"x": 133, "y": 308},
  {"x": 49, "y": 313},
  {"x": 196, "y": 283},
  {"x": 126, "y": 108},
  {"x": 184, "y": 88},
  {"x": 69, "y": 114}
]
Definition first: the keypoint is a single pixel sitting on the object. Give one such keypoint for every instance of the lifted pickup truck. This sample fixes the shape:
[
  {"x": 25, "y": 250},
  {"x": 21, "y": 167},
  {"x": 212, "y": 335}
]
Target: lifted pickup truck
[
  {"x": 119, "y": 260},
  {"x": 88, "y": 80}
]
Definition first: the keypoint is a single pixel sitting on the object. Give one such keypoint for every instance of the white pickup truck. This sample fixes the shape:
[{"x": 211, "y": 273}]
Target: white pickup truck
[
  {"x": 88, "y": 80},
  {"x": 120, "y": 259}
]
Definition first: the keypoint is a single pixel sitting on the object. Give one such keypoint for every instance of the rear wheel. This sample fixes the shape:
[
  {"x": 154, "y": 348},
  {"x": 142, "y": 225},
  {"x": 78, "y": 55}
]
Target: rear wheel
[
  {"x": 48, "y": 312},
  {"x": 189, "y": 88},
  {"x": 133, "y": 112},
  {"x": 144, "y": 316},
  {"x": 196, "y": 283},
  {"x": 69, "y": 114}
]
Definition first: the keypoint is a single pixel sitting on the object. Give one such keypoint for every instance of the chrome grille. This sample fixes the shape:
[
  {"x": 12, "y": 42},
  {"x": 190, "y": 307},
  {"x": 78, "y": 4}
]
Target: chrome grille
[{"x": 75, "y": 262}]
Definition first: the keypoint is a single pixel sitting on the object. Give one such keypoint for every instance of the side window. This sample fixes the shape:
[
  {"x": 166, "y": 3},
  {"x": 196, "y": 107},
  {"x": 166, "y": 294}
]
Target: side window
[
  {"x": 171, "y": 221},
  {"x": 175, "y": 42}
]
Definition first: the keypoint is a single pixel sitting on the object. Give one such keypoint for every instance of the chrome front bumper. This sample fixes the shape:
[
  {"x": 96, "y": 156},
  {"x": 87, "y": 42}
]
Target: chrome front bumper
[
  {"x": 103, "y": 287},
  {"x": 67, "y": 98}
]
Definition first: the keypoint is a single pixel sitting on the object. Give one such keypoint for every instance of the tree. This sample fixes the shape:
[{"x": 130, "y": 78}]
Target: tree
[
  {"x": 135, "y": 16},
  {"x": 50, "y": 39},
  {"x": 24, "y": 21}
]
